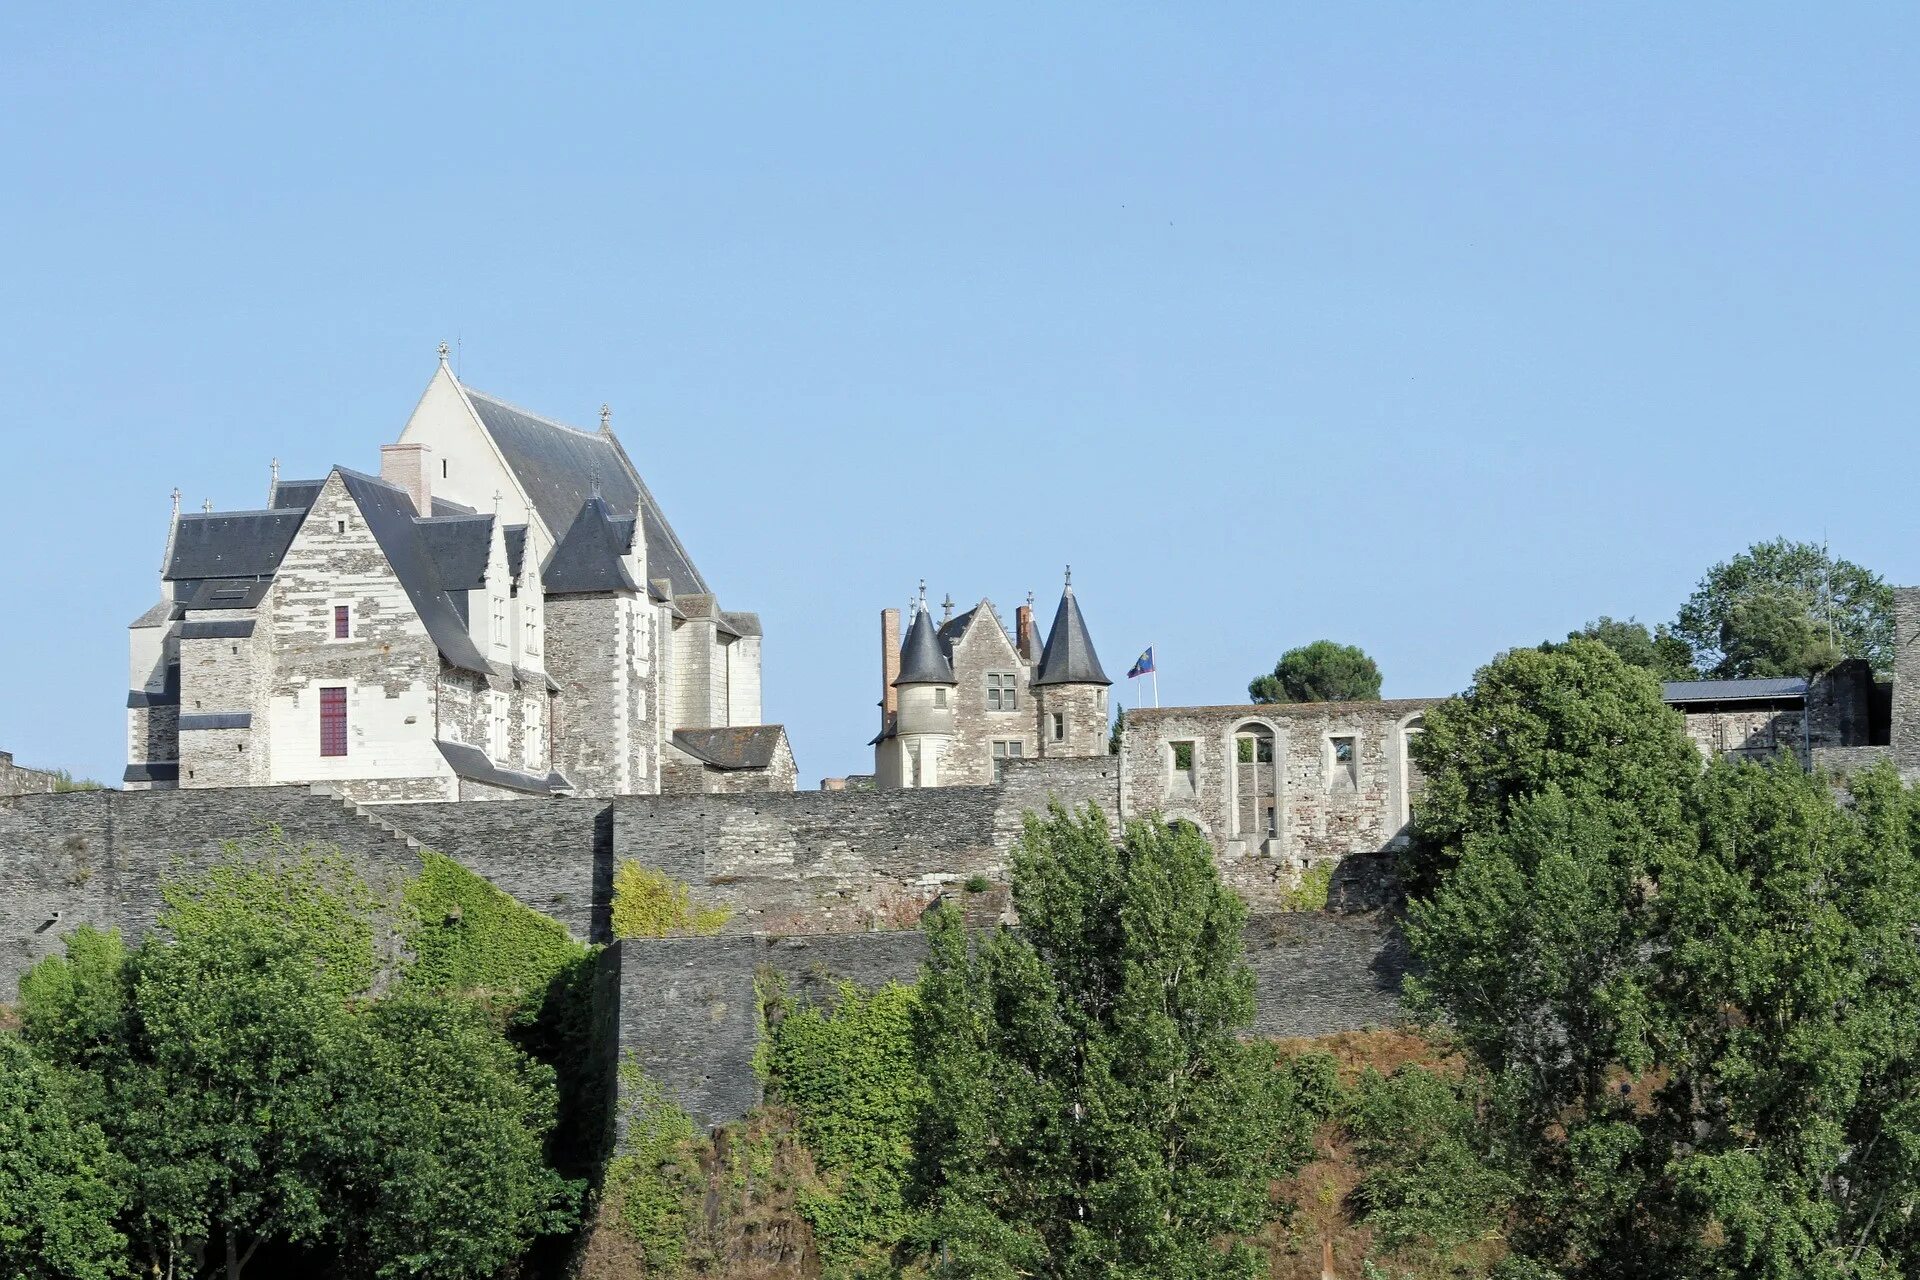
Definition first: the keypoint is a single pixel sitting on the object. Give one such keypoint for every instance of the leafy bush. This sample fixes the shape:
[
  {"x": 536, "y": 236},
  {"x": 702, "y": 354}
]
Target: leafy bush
[{"x": 467, "y": 935}]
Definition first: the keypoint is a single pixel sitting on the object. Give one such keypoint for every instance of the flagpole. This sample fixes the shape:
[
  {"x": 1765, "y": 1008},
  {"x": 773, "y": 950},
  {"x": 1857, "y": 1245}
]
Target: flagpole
[{"x": 1156, "y": 682}]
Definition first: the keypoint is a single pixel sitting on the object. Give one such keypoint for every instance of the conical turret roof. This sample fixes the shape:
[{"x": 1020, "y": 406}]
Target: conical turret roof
[
  {"x": 1069, "y": 657},
  {"x": 923, "y": 659}
]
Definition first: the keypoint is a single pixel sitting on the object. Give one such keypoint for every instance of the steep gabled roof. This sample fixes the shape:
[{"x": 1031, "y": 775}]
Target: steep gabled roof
[
  {"x": 588, "y": 559},
  {"x": 388, "y": 511},
  {"x": 559, "y": 466},
  {"x": 295, "y": 494},
  {"x": 515, "y": 536},
  {"x": 458, "y": 548},
  {"x": 923, "y": 659},
  {"x": 231, "y": 544},
  {"x": 1069, "y": 657}
]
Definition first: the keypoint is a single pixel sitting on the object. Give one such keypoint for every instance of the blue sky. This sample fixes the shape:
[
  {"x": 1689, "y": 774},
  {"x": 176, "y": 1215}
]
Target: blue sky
[{"x": 1431, "y": 328}]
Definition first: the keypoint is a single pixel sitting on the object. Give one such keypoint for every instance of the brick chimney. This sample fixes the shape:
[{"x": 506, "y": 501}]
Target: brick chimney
[
  {"x": 889, "y": 662},
  {"x": 1023, "y": 627},
  {"x": 410, "y": 467}
]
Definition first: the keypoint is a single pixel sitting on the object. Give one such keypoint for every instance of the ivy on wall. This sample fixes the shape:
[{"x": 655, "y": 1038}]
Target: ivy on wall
[
  {"x": 847, "y": 1071},
  {"x": 467, "y": 935},
  {"x": 652, "y": 904}
]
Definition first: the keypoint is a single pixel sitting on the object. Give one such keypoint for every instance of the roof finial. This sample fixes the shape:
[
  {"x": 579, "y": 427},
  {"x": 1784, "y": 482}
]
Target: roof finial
[
  {"x": 1029, "y": 599},
  {"x": 946, "y": 608},
  {"x": 497, "y": 496},
  {"x": 595, "y": 473},
  {"x": 606, "y": 419},
  {"x": 176, "y": 503},
  {"x": 923, "y": 593},
  {"x": 443, "y": 354},
  {"x": 273, "y": 469},
  {"x": 206, "y": 506},
  {"x": 1069, "y": 577}
]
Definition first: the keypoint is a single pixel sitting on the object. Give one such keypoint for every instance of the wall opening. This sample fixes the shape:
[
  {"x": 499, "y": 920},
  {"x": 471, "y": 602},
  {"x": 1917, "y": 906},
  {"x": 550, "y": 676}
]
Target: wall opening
[
  {"x": 1256, "y": 784},
  {"x": 1343, "y": 763}
]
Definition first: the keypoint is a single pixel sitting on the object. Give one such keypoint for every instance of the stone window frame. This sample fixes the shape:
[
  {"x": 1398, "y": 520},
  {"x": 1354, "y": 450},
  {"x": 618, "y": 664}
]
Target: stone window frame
[
  {"x": 532, "y": 726},
  {"x": 1170, "y": 757},
  {"x": 1405, "y": 729},
  {"x": 1001, "y": 750},
  {"x": 1330, "y": 762},
  {"x": 1231, "y": 745},
  {"x": 353, "y": 620},
  {"x": 1056, "y": 726},
  {"x": 1004, "y": 696},
  {"x": 346, "y": 720},
  {"x": 940, "y": 698}
]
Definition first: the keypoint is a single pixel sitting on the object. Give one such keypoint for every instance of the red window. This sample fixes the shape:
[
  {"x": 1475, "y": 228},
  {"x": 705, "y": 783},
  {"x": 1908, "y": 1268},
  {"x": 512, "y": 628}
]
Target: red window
[
  {"x": 333, "y": 722},
  {"x": 340, "y": 622}
]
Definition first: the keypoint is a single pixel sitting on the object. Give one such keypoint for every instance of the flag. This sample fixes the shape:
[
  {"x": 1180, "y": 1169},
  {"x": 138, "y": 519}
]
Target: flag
[{"x": 1142, "y": 665}]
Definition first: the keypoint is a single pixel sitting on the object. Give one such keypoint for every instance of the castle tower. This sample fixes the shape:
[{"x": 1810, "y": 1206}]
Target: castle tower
[
  {"x": 1070, "y": 689},
  {"x": 925, "y": 694}
]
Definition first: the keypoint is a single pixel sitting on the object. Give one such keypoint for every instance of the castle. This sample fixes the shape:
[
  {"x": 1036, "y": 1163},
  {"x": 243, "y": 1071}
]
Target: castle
[{"x": 502, "y": 611}]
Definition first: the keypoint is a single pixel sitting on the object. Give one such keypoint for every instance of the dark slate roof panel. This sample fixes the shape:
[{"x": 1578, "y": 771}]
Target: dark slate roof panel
[
  {"x": 388, "y": 512},
  {"x": 739, "y": 747},
  {"x": 221, "y": 593},
  {"x": 923, "y": 659},
  {"x": 1069, "y": 657},
  {"x": 742, "y": 624},
  {"x": 296, "y": 495},
  {"x": 153, "y": 771},
  {"x": 588, "y": 559},
  {"x": 157, "y": 616},
  {"x": 224, "y": 629},
  {"x": 458, "y": 547},
  {"x": 231, "y": 544},
  {"x": 558, "y": 465},
  {"x": 472, "y": 764},
  {"x": 515, "y": 536},
  {"x": 448, "y": 507},
  {"x": 954, "y": 628},
  {"x": 1761, "y": 690},
  {"x": 216, "y": 720},
  {"x": 145, "y": 698}
]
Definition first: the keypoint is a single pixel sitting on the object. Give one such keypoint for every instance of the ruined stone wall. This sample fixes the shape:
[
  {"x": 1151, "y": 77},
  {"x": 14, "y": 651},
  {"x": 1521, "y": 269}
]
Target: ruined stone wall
[
  {"x": 1906, "y": 679},
  {"x": 1339, "y": 779},
  {"x": 1748, "y": 732},
  {"x": 18, "y": 780},
  {"x": 688, "y": 1011}
]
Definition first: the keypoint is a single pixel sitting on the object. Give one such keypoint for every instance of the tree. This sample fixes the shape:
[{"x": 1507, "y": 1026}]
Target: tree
[
  {"x": 1320, "y": 672},
  {"x": 258, "y": 1092},
  {"x": 439, "y": 1128},
  {"x": 1848, "y": 607},
  {"x": 1576, "y": 718},
  {"x": 59, "y": 1189},
  {"x": 1118, "y": 736},
  {"x": 1769, "y": 634},
  {"x": 1093, "y": 1111},
  {"x": 1659, "y": 650}
]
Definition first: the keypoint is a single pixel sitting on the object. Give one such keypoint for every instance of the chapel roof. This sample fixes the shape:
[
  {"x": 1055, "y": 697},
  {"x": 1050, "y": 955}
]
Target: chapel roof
[{"x": 590, "y": 556}]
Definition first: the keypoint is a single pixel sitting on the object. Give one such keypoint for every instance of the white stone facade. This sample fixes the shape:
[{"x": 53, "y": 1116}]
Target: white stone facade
[{"x": 435, "y": 633}]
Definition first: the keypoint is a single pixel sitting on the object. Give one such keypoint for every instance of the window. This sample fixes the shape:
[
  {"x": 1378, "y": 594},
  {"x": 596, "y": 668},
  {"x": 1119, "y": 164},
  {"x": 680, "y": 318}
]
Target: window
[
  {"x": 939, "y": 697},
  {"x": 497, "y": 726},
  {"x": 1059, "y": 722},
  {"x": 499, "y": 621},
  {"x": 333, "y": 722},
  {"x": 342, "y": 621},
  {"x": 1003, "y": 752},
  {"x": 1343, "y": 764},
  {"x": 443, "y": 468},
  {"x": 1181, "y": 755},
  {"x": 532, "y": 746},
  {"x": 339, "y": 526},
  {"x": 1002, "y": 691}
]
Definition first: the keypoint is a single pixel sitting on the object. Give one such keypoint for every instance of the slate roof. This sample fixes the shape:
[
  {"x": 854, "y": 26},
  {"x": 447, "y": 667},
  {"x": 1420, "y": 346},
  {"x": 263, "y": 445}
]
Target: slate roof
[
  {"x": 231, "y": 544},
  {"x": 157, "y": 616},
  {"x": 220, "y": 593},
  {"x": 1761, "y": 690},
  {"x": 515, "y": 536},
  {"x": 190, "y": 720},
  {"x": 1069, "y": 657},
  {"x": 152, "y": 771},
  {"x": 458, "y": 547},
  {"x": 472, "y": 764},
  {"x": 557, "y": 465},
  {"x": 740, "y": 747},
  {"x": 222, "y": 629},
  {"x": 388, "y": 512},
  {"x": 742, "y": 624},
  {"x": 295, "y": 494},
  {"x": 588, "y": 558},
  {"x": 923, "y": 659}
]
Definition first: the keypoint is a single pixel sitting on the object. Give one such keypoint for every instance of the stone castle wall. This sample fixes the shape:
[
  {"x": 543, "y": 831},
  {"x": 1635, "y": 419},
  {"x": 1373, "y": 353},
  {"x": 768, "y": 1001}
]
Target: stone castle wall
[{"x": 18, "y": 780}]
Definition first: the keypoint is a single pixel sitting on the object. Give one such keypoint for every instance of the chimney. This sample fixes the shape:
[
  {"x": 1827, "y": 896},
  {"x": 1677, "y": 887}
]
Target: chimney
[
  {"x": 1023, "y": 627},
  {"x": 889, "y": 663},
  {"x": 410, "y": 467}
]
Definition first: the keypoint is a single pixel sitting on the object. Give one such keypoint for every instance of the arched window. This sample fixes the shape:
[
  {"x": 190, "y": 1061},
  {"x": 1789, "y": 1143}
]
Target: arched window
[{"x": 1256, "y": 798}]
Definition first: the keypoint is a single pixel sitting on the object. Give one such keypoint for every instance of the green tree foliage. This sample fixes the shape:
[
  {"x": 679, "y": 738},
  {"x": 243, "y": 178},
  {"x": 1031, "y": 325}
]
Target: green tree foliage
[
  {"x": 1092, "y": 1110},
  {"x": 1320, "y": 672},
  {"x": 1432, "y": 1185},
  {"x": 59, "y": 1190},
  {"x": 466, "y": 935},
  {"x": 654, "y": 1182},
  {"x": 1687, "y": 994},
  {"x": 848, "y": 1072},
  {"x": 652, "y": 904},
  {"x": 440, "y": 1122},
  {"x": 1657, "y": 650},
  {"x": 1576, "y": 719},
  {"x": 1118, "y": 735},
  {"x": 255, "y": 1090},
  {"x": 1839, "y": 608},
  {"x": 63, "y": 780}
]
